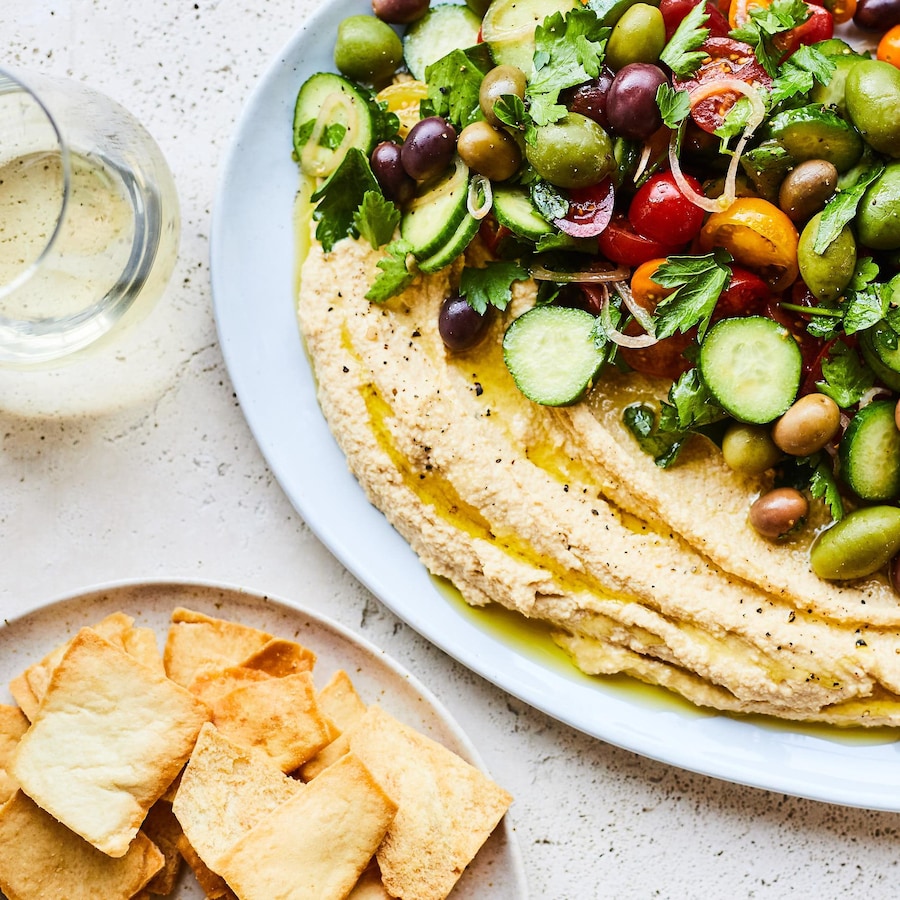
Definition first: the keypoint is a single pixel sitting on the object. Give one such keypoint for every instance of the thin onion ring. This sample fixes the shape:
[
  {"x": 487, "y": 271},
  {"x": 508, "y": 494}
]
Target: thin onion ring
[
  {"x": 632, "y": 341},
  {"x": 479, "y": 210},
  {"x": 587, "y": 276},
  {"x": 699, "y": 93}
]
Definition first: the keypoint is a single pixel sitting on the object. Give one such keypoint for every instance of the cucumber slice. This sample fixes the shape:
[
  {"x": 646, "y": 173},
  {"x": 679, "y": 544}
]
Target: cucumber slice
[
  {"x": 869, "y": 452},
  {"x": 331, "y": 115},
  {"x": 552, "y": 355},
  {"x": 752, "y": 367},
  {"x": 508, "y": 28},
  {"x": 436, "y": 211},
  {"x": 444, "y": 28},
  {"x": 812, "y": 132},
  {"x": 881, "y": 351},
  {"x": 514, "y": 209},
  {"x": 458, "y": 242}
]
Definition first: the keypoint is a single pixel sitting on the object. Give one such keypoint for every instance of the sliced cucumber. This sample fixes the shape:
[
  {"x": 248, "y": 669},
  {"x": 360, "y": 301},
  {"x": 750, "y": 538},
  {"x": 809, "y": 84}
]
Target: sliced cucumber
[
  {"x": 552, "y": 355},
  {"x": 436, "y": 211},
  {"x": 444, "y": 28},
  {"x": 869, "y": 452},
  {"x": 331, "y": 115},
  {"x": 514, "y": 209},
  {"x": 446, "y": 253},
  {"x": 812, "y": 132},
  {"x": 881, "y": 351},
  {"x": 508, "y": 28},
  {"x": 752, "y": 367}
]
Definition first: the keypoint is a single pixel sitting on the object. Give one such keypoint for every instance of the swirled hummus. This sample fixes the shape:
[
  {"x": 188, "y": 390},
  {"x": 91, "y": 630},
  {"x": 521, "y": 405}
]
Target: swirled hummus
[{"x": 555, "y": 513}]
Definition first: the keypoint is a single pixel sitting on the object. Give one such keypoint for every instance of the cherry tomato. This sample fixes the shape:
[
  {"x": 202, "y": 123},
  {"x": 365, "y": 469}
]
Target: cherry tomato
[
  {"x": 673, "y": 11},
  {"x": 621, "y": 244},
  {"x": 492, "y": 233},
  {"x": 727, "y": 58},
  {"x": 758, "y": 235},
  {"x": 403, "y": 98},
  {"x": 818, "y": 27},
  {"x": 841, "y": 10},
  {"x": 590, "y": 210},
  {"x": 644, "y": 289},
  {"x": 746, "y": 294},
  {"x": 659, "y": 210},
  {"x": 889, "y": 46}
]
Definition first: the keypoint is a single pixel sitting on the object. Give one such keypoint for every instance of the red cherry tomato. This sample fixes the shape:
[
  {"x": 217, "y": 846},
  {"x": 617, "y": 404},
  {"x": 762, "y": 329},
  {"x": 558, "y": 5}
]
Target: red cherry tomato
[
  {"x": 727, "y": 58},
  {"x": 659, "y": 210},
  {"x": 621, "y": 244},
  {"x": 590, "y": 210},
  {"x": 673, "y": 11},
  {"x": 818, "y": 27},
  {"x": 746, "y": 294},
  {"x": 492, "y": 232}
]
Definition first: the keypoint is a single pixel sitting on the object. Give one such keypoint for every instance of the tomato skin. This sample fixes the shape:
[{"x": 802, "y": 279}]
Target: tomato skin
[
  {"x": 818, "y": 27},
  {"x": 590, "y": 210},
  {"x": 621, "y": 244},
  {"x": 746, "y": 294},
  {"x": 659, "y": 210},
  {"x": 889, "y": 46},
  {"x": 727, "y": 58},
  {"x": 492, "y": 233},
  {"x": 673, "y": 11}
]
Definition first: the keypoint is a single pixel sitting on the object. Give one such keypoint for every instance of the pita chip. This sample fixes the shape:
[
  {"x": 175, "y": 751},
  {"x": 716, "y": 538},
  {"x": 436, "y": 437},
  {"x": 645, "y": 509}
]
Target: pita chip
[
  {"x": 13, "y": 725},
  {"x": 316, "y": 845},
  {"x": 280, "y": 657},
  {"x": 41, "y": 858},
  {"x": 127, "y": 731}
]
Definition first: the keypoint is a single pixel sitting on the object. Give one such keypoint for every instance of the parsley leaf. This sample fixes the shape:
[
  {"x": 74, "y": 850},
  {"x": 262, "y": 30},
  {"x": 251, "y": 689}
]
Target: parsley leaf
[
  {"x": 510, "y": 110},
  {"x": 674, "y": 106},
  {"x": 823, "y": 486},
  {"x": 549, "y": 200},
  {"x": 845, "y": 378},
  {"x": 841, "y": 208},
  {"x": 376, "y": 218},
  {"x": 662, "y": 446},
  {"x": 395, "y": 276},
  {"x": 453, "y": 84},
  {"x": 340, "y": 197},
  {"x": 690, "y": 404},
  {"x": 765, "y": 23},
  {"x": 698, "y": 282},
  {"x": 683, "y": 54},
  {"x": 490, "y": 285},
  {"x": 568, "y": 51}
]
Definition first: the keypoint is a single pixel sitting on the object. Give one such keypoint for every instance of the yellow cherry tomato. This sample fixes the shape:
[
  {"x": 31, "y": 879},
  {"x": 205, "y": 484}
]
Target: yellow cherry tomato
[
  {"x": 403, "y": 98},
  {"x": 646, "y": 292},
  {"x": 889, "y": 46},
  {"x": 759, "y": 236},
  {"x": 841, "y": 10}
]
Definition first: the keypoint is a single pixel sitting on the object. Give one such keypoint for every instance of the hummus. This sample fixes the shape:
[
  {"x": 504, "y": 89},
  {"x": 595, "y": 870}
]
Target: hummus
[{"x": 558, "y": 515}]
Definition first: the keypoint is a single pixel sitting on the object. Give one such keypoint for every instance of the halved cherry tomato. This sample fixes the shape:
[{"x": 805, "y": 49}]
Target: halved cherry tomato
[
  {"x": 818, "y": 27},
  {"x": 492, "y": 232},
  {"x": 841, "y": 10},
  {"x": 673, "y": 11},
  {"x": 590, "y": 209},
  {"x": 621, "y": 244},
  {"x": 403, "y": 98},
  {"x": 739, "y": 10},
  {"x": 746, "y": 294},
  {"x": 759, "y": 236},
  {"x": 646, "y": 292},
  {"x": 889, "y": 46},
  {"x": 659, "y": 210},
  {"x": 727, "y": 58}
]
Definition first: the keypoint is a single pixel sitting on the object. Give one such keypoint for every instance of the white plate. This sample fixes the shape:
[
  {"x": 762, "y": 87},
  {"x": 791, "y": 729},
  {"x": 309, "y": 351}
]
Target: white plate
[
  {"x": 252, "y": 267},
  {"x": 496, "y": 871}
]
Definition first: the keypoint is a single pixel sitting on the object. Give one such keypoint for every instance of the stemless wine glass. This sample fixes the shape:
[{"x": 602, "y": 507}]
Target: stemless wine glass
[{"x": 89, "y": 219}]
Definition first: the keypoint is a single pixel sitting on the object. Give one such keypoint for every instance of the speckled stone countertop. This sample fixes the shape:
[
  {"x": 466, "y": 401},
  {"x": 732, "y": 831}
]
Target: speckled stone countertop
[{"x": 171, "y": 484}]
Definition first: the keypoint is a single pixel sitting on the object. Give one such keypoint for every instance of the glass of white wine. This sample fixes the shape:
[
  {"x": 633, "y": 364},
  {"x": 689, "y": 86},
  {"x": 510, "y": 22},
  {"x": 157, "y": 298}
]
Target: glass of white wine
[{"x": 89, "y": 220}]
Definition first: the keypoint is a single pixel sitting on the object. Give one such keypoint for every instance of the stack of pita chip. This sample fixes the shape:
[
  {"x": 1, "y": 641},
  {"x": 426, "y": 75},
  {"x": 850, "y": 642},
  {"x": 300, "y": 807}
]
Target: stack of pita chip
[{"x": 120, "y": 763}]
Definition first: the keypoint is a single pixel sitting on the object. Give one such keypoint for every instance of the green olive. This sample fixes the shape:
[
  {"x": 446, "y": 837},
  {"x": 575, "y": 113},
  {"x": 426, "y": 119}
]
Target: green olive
[
  {"x": 489, "y": 151},
  {"x": 778, "y": 512},
  {"x": 638, "y": 36},
  {"x": 500, "y": 81},
  {"x": 826, "y": 274},
  {"x": 808, "y": 425},
  {"x": 859, "y": 545},
  {"x": 367, "y": 49},
  {"x": 749, "y": 449},
  {"x": 872, "y": 97},
  {"x": 806, "y": 189},
  {"x": 878, "y": 217},
  {"x": 573, "y": 152}
]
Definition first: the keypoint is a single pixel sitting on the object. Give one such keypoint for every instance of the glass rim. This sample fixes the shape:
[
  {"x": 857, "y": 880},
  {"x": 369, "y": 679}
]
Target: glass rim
[{"x": 9, "y": 78}]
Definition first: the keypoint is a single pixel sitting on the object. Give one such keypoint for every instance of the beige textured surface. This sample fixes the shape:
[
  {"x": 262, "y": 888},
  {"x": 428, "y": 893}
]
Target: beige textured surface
[{"x": 174, "y": 485}]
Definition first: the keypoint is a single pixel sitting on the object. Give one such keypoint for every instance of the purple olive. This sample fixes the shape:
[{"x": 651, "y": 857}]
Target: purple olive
[
  {"x": 460, "y": 326},
  {"x": 428, "y": 148},
  {"x": 399, "y": 12},
  {"x": 631, "y": 102},
  {"x": 390, "y": 174},
  {"x": 589, "y": 98}
]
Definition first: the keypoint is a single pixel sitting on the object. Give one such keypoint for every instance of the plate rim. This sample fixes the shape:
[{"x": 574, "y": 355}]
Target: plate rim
[{"x": 809, "y": 775}]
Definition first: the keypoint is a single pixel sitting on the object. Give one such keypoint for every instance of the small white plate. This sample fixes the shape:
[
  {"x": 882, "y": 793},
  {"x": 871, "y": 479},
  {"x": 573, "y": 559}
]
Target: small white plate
[
  {"x": 496, "y": 872},
  {"x": 253, "y": 276}
]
